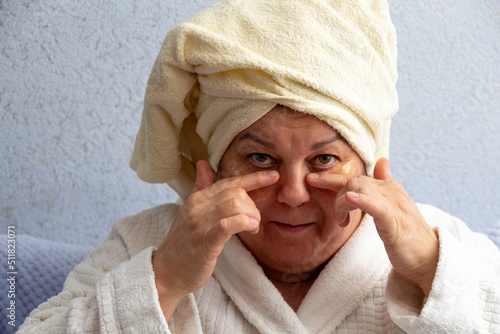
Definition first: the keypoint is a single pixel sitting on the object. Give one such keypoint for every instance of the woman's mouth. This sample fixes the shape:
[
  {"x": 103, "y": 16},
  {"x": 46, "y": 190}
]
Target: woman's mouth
[{"x": 288, "y": 228}]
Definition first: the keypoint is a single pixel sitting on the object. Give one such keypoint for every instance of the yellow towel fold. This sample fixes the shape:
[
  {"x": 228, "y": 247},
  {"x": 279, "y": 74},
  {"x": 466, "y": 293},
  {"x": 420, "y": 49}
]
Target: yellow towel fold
[{"x": 223, "y": 69}]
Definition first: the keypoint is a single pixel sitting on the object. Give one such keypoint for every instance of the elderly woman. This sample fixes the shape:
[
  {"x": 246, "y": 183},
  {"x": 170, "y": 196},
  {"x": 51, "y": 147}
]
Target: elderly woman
[{"x": 271, "y": 120}]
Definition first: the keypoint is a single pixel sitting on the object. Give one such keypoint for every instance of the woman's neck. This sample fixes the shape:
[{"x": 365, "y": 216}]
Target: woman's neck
[
  {"x": 292, "y": 286},
  {"x": 291, "y": 277}
]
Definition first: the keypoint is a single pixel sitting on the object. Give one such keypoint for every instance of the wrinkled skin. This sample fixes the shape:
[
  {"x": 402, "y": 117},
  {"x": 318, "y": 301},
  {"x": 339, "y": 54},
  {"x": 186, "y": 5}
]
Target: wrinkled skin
[{"x": 294, "y": 192}]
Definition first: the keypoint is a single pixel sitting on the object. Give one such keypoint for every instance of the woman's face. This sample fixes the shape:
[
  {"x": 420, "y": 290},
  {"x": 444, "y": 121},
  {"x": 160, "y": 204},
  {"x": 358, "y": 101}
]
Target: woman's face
[{"x": 297, "y": 232}]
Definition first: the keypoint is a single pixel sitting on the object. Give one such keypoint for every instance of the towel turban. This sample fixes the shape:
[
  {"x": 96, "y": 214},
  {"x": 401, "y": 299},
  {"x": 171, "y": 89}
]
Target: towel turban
[{"x": 224, "y": 68}]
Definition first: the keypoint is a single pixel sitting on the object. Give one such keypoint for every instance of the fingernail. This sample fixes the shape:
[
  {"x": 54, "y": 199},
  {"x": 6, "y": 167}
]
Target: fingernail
[
  {"x": 352, "y": 194},
  {"x": 254, "y": 222},
  {"x": 272, "y": 173},
  {"x": 339, "y": 217},
  {"x": 345, "y": 223},
  {"x": 313, "y": 176},
  {"x": 342, "y": 219},
  {"x": 254, "y": 231}
]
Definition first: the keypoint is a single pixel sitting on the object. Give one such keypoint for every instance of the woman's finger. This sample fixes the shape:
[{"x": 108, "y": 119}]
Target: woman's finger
[
  {"x": 333, "y": 182},
  {"x": 378, "y": 208},
  {"x": 220, "y": 233},
  {"x": 382, "y": 170},
  {"x": 232, "y": 206},
  {"x": 247, "y": 182},
  {"x": 204, "y": 176},
  {"x": 342, "y": 208}
]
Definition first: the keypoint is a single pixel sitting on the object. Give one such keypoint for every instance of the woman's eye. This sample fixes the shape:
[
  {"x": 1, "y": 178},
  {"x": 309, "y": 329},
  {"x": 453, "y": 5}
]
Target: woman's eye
[
  {"x": 261, "y": 159},
  {"x": 324, "y": 160}
]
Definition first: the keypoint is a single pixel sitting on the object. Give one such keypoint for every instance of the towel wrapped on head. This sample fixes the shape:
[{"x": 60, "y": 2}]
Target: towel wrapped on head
[{"x": 226, "y": 67}]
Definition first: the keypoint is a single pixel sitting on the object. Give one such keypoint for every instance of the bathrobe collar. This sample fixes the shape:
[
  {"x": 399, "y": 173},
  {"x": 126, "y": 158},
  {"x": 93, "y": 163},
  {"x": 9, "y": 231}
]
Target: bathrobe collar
[{"x": 346, "y": 280}]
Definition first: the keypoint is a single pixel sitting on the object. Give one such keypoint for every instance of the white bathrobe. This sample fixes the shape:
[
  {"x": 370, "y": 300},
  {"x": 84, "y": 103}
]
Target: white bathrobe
[{"x": 113, "y": 289}]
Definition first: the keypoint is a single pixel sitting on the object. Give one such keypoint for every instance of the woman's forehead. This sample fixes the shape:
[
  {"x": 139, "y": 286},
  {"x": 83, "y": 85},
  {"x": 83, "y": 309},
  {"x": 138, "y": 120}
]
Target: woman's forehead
[
  {"x": 286, "y": 129},
  {"x": 282, "y": 120}
]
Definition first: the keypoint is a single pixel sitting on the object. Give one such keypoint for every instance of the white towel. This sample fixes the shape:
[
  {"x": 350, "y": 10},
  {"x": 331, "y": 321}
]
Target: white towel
[{"x": 226, "y": 67}]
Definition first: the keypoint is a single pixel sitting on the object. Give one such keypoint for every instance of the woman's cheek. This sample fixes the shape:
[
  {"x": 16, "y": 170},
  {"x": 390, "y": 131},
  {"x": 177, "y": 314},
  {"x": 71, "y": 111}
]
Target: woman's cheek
[
  {"x": 351, "y": 167},
  {"x": 325, "y": 197},
  {"x": 263, "y": 196},
  {"x": 233, "y": 168},
  {"x": 323, "y": 194}
]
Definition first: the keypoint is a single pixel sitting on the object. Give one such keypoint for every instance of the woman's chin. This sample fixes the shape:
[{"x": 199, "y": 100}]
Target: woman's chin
[
  {"x": 297, "y": 259},
  {"x": 297, "y": 253}
]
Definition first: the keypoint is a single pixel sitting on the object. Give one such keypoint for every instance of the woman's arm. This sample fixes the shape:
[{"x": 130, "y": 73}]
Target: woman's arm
[
  {"x": 435, "y": 257},
  {"x": 465, "y": 294},
  {"x": 116, "y": 273},
  {"x": 411, "y": 244},
  {"x": 210, "y": 216}
]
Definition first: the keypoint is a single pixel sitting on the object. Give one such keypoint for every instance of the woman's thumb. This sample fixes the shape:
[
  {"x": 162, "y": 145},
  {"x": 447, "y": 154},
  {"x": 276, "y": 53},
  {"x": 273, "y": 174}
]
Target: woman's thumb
[
  {"x": 204, "y": 175},
  {"x": 382, "y": 170}
]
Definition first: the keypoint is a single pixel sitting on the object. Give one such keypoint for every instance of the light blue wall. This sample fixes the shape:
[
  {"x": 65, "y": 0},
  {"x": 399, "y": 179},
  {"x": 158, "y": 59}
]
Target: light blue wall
[
  {"x": 72, "y": 79},
  {"x": 446, "y": 137}
]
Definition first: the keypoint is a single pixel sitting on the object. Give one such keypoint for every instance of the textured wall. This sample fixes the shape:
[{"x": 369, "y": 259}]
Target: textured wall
[
  {"x": 446, "y": 138},
  {"x": 72, "y": 79}
]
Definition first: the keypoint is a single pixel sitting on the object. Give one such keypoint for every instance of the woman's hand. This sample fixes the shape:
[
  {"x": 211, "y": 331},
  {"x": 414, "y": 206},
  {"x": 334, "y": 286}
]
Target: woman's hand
[
  {"x": 210, "y": 216},
  {"x": 411, "y": 244}
]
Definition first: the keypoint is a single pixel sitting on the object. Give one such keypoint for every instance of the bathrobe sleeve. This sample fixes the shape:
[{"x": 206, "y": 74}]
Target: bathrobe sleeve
[
  {"x": 465, "y": 295},
  {"x": 113, "y": 289}
]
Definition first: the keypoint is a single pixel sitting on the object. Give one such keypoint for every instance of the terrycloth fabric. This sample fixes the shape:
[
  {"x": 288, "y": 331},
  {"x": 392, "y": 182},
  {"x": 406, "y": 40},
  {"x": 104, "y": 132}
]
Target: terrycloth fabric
[
  {"x": 39, "y": 270},
  {"x": 113, "y": 290},
  {"x": 223, "y": 69}
]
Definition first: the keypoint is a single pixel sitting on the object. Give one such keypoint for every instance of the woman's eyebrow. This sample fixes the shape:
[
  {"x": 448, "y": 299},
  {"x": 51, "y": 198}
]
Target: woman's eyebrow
[
  {"x": 263, "y": 142},
  {"x": 268, "y": 144},
  {"x": 322, "y": 144}
]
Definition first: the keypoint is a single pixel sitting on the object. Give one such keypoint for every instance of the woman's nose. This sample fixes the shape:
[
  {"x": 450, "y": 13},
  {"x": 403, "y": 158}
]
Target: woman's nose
[{"x": 293, "y": 188}]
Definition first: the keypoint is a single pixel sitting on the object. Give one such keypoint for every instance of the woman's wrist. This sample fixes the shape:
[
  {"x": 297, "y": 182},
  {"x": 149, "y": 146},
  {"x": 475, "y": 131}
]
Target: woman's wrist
[
  {"x": 168, "y": 296},
  {"x": 425, "y": 281}
]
